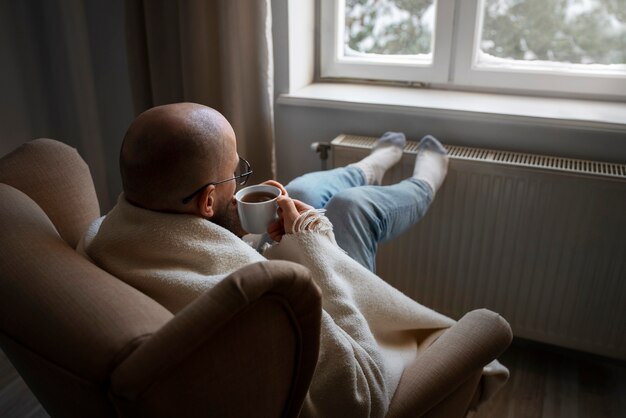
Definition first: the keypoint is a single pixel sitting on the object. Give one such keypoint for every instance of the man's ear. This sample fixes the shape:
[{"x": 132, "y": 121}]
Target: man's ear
[{"x": 206, "y": 202}]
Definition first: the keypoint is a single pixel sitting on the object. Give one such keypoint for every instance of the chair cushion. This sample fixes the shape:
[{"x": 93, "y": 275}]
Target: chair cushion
[{"x": 58, "y": 180}]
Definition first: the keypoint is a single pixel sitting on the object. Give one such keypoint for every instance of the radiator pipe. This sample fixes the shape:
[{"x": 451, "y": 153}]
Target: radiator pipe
[{"x": 322, "y": 148}]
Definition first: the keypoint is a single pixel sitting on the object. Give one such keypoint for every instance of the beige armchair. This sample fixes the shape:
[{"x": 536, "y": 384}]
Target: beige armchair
[{"x": 89, "y": 345}]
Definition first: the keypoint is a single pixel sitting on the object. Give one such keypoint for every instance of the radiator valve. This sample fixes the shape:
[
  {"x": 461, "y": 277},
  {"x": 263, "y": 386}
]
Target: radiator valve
[{"x": 322, "y": 148}]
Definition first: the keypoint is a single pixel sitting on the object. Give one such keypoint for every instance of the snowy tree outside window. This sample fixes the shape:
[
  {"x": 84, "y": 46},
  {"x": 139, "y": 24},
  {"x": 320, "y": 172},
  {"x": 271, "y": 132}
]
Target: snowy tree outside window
[
  {"x": 389, "y": 27},
  {"x": 565, "y": 31}
]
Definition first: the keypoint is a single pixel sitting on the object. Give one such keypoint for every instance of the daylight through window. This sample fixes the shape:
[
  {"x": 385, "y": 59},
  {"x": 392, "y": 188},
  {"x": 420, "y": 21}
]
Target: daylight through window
[
  {"x": 567, "y": 46},
  {"x": 548, "y": 33},
  {"x": 389, "y": 29}
]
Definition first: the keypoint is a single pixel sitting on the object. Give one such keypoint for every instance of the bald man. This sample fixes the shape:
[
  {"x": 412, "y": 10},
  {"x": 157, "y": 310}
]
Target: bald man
[
  {"x": 171, "y": 149},
  {"x": 175, "y": 233}
]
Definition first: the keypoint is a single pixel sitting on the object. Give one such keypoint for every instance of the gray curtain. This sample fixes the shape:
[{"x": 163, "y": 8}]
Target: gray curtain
[
  {"x": 213, "y": 52},
  {"x": 64, "y": 75}
]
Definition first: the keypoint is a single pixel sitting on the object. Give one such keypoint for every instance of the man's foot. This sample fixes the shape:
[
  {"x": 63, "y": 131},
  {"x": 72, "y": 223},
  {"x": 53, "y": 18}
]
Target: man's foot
[
  {"x": 431, "y": 164},
  {"x": 386, "y": 153}
]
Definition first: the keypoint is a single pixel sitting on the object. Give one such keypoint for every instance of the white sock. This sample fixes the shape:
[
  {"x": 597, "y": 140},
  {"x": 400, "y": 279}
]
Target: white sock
[
  {"x": 431, "y": 164},
  {"x": 386, "y": 153}
]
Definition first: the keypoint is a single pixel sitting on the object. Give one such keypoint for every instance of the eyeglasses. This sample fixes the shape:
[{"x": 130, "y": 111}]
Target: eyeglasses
[{"x": 242, "y": 174}]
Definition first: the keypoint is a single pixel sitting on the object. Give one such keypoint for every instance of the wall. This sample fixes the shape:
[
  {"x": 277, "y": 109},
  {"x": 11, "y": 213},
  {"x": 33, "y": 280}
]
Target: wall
[{"x": 298, "y": 125}]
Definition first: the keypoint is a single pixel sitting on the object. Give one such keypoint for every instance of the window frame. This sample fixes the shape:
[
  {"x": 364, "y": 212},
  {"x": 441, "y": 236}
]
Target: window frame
[
  {"x": 458, "y": 28},
  {"x": 333, "y": 64}
]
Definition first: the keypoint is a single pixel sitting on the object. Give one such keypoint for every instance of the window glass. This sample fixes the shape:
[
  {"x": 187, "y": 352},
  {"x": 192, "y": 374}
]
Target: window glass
[
  {"x": 562, "y": 47},
  {"x": 389, "y": 28},
  {"x": 586, "y": 33}
]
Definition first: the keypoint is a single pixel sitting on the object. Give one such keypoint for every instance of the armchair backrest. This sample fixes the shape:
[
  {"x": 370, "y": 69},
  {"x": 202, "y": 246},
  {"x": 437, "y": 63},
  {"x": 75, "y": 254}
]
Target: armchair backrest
[
  {"x": 58, "y": 180},
  {"x": 64, "y": 320}
]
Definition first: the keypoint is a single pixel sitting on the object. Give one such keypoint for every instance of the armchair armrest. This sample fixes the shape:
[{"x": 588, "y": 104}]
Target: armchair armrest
[
  {"x": 456, "y": 357},
  {"x": 247, "y": 347}
]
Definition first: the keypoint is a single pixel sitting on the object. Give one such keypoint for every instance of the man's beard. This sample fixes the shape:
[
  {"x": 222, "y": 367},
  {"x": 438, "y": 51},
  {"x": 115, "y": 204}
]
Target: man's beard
[{"x": 228, "y": 218}]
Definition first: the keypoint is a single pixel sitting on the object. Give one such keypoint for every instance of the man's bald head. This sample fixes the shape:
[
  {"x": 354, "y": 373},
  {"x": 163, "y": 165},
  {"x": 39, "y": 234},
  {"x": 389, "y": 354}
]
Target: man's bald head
[{"x": 169, "y": 151}]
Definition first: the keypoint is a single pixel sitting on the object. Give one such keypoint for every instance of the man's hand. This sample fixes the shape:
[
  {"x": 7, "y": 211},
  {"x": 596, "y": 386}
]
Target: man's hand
[{"x": 289, "y": 211}]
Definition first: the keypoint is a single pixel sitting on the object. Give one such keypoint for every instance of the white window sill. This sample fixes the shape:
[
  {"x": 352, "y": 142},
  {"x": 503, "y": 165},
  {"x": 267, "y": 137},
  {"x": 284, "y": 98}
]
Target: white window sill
[{"x": 586, "y": 114}]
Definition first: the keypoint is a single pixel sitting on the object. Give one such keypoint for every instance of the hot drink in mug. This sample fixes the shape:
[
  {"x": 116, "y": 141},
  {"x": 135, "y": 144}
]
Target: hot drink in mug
[{"x": 257, "y": 207}]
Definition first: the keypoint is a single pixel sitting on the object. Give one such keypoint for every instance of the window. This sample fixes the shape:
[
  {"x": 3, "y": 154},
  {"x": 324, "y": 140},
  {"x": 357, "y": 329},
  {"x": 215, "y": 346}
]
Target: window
[
  {"x": 386, "y": 39},
  {"x": 559, "y": 46}
]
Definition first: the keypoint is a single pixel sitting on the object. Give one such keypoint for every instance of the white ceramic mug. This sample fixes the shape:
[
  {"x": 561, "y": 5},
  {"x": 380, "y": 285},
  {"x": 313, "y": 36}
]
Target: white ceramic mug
[{"x": 258, "y": 213}]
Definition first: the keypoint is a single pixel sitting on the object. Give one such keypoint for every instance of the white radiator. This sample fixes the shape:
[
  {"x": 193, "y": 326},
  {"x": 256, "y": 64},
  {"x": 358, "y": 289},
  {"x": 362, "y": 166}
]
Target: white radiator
[{"x": 540, "y": 240}]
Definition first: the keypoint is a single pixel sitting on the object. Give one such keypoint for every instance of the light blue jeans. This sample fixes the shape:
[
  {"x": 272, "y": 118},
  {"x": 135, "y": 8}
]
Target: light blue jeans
[{"x": 363, "y": 215}]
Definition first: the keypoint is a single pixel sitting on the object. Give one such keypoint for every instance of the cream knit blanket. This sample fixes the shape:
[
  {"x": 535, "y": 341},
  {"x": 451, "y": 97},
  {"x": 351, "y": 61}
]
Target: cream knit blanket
[{"x": 365, "y": 344}]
